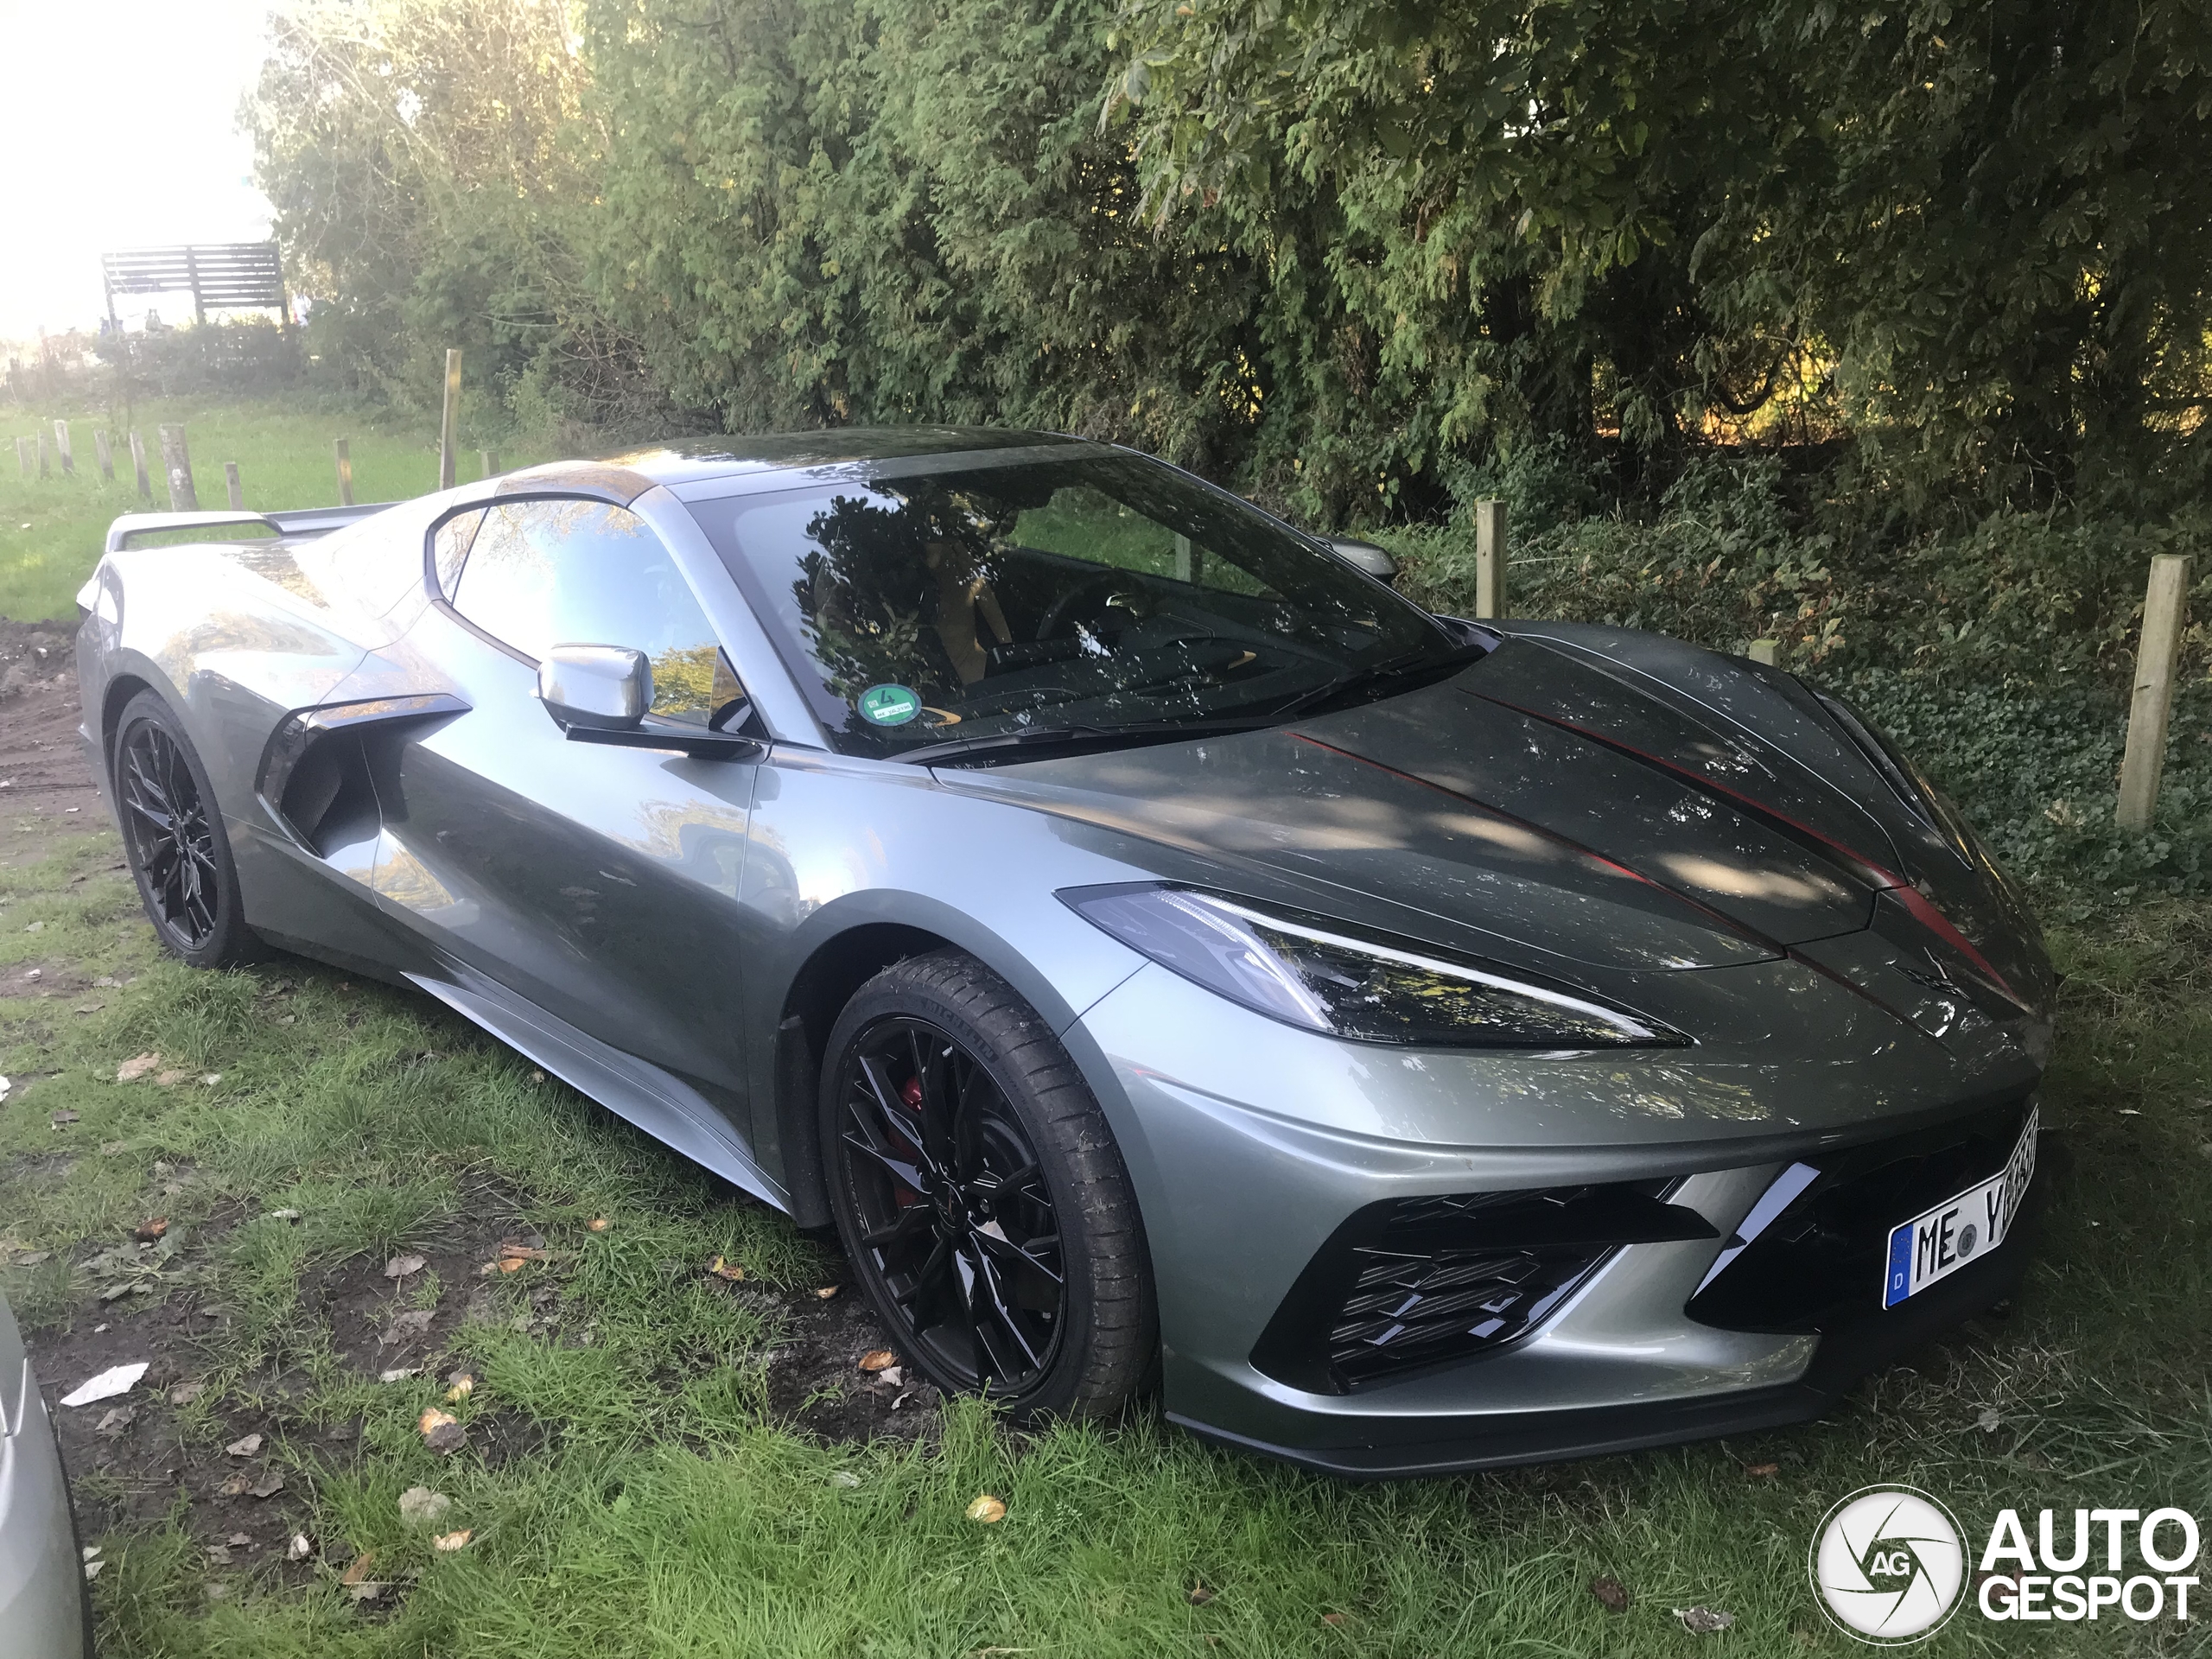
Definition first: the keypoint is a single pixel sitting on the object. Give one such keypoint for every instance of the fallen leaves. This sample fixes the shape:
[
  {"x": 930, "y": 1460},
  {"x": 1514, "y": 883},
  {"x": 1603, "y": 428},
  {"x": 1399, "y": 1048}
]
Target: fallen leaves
[
  {"x": 245, "y": 1448},
  {"x": 459, "y": 1386},
  {"x": 137, "y": 1067},
  {"x": 402, "y": 1267},
  {"x": 1704, "y": 1620},
  {"x": 441, "y": 1430},
  {"x": 1761, "y": 1471},
  {"x": 432, "y": 1419},
  {"x": 170, "y": 1079},
  {"x": 356, "y": 1580},
  {"x": 446, "y": 1543},
  {"x": 1336, "y": 1619},
  {"x": 825, "y": 1293},
  {"x": 116, "y": 1379},
  {"x": 115, "y": 1421},
  {"x": 722, "y": 1268},
  {"x": 598, "y": 1223},
  {"x": 419, "y": 1506},
  {"x": 268, "y": 1486},
  {"x": 986, "y": 1510},
  {"x": 1612, "y": 1595},
  {"x": 1199, "y": 1594},
  {"x": 147, "y": 1231},
  {"x": 513, "y": 1254},
  {"x": 878, "y": 1359}
]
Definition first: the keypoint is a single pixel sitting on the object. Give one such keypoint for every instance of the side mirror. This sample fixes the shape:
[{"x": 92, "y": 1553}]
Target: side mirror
[
  {"x": 604, "y": 687},
  {"x": 1365, "y": 557}
]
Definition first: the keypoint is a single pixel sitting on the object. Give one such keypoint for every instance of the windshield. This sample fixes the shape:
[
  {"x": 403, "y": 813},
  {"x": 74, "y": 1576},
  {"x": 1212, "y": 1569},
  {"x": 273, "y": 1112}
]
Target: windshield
[{"x": 1094, "y": 594}]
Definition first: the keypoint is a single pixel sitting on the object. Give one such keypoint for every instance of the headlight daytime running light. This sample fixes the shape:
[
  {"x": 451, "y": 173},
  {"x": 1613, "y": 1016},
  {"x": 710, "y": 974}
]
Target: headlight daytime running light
[{"x": 1306, "y": 972}]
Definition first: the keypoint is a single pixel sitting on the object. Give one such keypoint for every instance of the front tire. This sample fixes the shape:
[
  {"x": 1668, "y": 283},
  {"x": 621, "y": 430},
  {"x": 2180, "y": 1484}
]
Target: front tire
[
  {"x": 174, "y": 837},
  {"x": 979, "y": 1194}
]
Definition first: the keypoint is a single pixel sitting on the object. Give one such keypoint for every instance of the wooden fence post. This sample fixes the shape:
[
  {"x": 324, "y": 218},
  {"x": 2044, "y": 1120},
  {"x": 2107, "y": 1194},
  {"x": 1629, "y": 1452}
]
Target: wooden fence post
[
  {"x": 491, "y": 462},
  {"x": 231, "y": 480},
  {"x": 451, "y": 421},
  {"x": 1490, "y": 558},
  {"x": 23, "y": 456},
  {"x": 343, "y": 449},
  {"x": 61, "y": 443},
  {"x": 176, "y": 462},
  {"x": 139, "y": 466},
  {"x": 2145, "y": 757},
  {"x": 106, "y": 450}
]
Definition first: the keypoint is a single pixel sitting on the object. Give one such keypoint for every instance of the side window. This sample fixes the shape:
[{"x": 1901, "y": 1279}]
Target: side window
[
  {"x": 539, "y": 573},
  {"x": 449, "y": 549}
]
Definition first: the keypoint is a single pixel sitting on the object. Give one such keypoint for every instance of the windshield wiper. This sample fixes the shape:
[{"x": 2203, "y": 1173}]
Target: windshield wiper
[{"x": 1082, "y": 739}]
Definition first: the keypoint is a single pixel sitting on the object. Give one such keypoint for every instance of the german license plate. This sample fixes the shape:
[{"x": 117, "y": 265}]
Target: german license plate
[{"x": 1960, "y": 1230}]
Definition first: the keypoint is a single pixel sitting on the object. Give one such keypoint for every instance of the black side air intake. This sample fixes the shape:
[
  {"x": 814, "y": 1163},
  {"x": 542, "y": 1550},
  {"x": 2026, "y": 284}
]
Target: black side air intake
[
  {"x": 317, "y": 774},
  {"x": 1411, "y": 1283}
]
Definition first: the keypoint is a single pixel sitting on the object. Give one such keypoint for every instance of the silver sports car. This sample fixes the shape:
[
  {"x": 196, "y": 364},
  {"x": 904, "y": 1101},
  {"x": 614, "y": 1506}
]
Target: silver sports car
[{"x": 1169, "y": 958}]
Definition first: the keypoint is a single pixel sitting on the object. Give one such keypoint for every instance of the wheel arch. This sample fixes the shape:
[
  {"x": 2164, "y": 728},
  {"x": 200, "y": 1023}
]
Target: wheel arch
[
  {"x": 1056, "y": 968},
  {"x": 835, "y": 969}
]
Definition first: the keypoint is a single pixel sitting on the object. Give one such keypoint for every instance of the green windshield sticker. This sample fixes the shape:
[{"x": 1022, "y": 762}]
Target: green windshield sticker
[{"x": 889, "y": 705}]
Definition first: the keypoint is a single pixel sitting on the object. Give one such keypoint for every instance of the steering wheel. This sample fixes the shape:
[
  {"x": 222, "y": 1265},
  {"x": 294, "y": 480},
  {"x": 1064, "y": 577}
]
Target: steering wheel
[{"x": 1058, "y": 613}]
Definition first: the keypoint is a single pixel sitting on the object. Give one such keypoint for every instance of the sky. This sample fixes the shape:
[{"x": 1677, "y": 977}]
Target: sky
[{"x": 120, "y": 126}]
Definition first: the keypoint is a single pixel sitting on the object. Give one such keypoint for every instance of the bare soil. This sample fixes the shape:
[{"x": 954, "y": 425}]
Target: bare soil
[{"x": 46, "y": 789}]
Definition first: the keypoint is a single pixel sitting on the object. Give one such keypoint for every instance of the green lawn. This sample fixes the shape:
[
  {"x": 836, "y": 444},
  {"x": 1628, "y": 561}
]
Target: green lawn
[
  {"x": 51, "y": 529},
  {"x": 629, "y": 1490}
]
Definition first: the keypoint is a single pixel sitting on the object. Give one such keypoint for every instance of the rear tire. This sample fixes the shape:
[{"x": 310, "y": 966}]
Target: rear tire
[
  {"x": 980, "y": 1197},
  {"x": 173, "y": 835}
]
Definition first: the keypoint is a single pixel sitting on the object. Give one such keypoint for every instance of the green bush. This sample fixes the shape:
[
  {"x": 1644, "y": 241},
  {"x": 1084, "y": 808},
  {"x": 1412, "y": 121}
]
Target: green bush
[{"x": 1999, "y": 655}]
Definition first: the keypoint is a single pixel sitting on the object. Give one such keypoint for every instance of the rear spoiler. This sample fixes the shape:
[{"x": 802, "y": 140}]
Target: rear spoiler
[{"x": 299, "y": 521}]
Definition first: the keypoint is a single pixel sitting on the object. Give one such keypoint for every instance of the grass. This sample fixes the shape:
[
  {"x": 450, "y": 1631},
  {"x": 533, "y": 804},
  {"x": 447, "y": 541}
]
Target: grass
[
  {"x": 51, "y": 529},
  {"x": 656, "y": 1507}
]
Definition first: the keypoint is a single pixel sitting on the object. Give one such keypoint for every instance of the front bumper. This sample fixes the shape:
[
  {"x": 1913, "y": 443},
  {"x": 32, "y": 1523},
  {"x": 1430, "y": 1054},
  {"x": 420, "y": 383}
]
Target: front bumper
[
  {"x": 1402, "y": 1447},
  {"x": 1251, "y": 1147}
]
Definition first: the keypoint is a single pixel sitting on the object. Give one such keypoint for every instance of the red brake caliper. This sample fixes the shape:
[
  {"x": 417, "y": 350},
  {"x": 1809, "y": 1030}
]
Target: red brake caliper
[{"x": 910, "y": 1096}]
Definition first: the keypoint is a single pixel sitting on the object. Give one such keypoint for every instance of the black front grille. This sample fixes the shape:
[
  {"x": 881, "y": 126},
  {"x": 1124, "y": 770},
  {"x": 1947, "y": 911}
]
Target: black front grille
[
  {"x": 1413, "y": 1283},
  {"x": 1819, "y": 1265}
]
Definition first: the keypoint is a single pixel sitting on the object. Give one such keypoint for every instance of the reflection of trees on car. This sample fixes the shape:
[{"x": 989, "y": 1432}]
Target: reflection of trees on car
[{"x": 902, "y": 596}]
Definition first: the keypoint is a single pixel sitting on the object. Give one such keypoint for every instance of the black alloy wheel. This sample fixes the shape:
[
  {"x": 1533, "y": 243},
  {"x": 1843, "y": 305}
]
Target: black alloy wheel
[
  {"x": 173, "y": 834},
  {"x": 979, "y": 1196},
  {"x": 955, "y": 1214}
]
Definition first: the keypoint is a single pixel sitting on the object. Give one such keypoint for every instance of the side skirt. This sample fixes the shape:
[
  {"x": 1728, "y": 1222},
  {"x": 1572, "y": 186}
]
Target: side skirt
[{"x": 657, "y": 1102}]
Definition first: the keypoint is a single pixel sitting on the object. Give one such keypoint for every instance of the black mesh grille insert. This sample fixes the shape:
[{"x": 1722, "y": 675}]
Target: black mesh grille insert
[
  {"x": 1818, "y": 1266},
  {"x": 1413, "y": 1283}
]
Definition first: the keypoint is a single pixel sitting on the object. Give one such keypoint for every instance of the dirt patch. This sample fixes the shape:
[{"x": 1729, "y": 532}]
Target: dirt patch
[
  {"x": 139, "y": 1458},
  {"x": 45, "y": 785},
  {"x": 815, "y": 1381},
  {"x": 43, "y": 979}
]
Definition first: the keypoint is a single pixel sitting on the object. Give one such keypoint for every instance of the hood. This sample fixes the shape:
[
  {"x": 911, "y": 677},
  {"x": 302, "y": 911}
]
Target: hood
[{"x": 1546, "y": 800}]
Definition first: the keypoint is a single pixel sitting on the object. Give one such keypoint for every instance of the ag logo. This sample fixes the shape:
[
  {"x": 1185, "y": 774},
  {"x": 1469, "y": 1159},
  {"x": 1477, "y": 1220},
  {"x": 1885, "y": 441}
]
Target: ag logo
[{"x": 1888, "y": 1565}]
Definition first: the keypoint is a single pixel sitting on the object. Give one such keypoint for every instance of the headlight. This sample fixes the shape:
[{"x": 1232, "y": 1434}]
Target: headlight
[{"x": 1306, "y": 972}]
